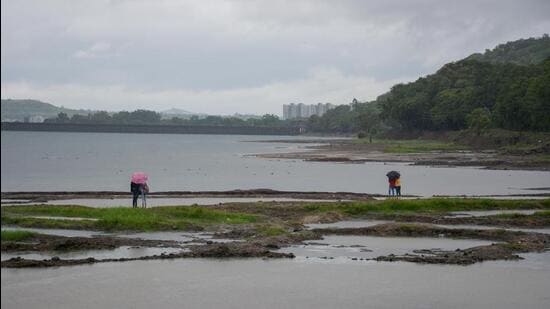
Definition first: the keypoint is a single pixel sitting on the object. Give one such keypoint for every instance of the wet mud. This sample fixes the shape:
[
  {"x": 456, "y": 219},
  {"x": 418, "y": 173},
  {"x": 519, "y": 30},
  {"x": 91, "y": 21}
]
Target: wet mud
[
  {"x": 42, "y": 242},
  {"x": 509, "y": 243},
  {"x": 198, "y": 249},
  {"x": 515, "y": 221}
]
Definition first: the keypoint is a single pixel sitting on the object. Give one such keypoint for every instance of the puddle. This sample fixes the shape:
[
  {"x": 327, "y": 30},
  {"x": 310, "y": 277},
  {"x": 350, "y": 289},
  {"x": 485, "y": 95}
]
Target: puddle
[
  {"x": 58, "y": 232},
  {"x": 486, "y": 227},
  {"x": 369, "y": 247},
  {"x": 464, "y": 214},
  {"x": 175, "y": 236},
  {"x": 14, "y": 201},
  {"x": 121, "y": 252},
  {"x": 346, "y": 224},
  {"x": 369, "y": 223},
  {"x": 155, "y": 202}
]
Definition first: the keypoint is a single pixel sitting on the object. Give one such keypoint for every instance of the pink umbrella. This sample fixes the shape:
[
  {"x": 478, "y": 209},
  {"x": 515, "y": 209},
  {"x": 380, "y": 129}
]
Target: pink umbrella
[{"x": 139, "y": 177}]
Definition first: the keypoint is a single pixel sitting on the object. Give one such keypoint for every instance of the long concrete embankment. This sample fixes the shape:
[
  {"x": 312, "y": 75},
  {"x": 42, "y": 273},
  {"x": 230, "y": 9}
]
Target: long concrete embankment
[{"x": 161, "y": 129}]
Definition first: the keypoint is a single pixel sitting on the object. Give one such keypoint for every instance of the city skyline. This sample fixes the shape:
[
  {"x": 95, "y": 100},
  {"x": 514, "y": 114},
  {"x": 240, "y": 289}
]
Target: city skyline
[{"x": 301, "y": 110}]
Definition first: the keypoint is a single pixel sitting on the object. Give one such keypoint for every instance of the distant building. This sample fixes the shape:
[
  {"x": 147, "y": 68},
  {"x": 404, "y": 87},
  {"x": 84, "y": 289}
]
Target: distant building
[
  {"x": 301, "y": 110},
  {"x": 34, "y": 119}
]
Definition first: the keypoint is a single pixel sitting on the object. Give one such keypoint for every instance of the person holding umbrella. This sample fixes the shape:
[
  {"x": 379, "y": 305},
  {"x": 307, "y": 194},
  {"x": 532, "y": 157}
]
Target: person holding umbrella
[
  {"x": 138, "y": 186},
  {"x": 393, "y": 176}
]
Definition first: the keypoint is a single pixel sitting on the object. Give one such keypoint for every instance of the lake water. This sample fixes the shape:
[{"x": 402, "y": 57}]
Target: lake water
[
  {"x": 60, "y": 161},
  {"x": 297, "y": 283}
]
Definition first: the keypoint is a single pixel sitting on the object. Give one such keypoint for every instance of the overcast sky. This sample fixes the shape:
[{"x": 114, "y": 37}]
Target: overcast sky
[{"x": 225, "y": 57}]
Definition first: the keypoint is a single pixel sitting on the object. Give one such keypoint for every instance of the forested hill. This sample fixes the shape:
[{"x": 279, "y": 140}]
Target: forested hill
[
  {"x": 521, "y": 52},
  {"x": 507, "y": 87}
]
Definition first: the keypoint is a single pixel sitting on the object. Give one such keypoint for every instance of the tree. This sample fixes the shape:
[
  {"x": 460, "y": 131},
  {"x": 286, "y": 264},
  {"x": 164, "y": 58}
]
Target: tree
[
  {"x": 368, "y": 118},
  {"x": 142, "y": 116},
  {"x": 479, "y": 120},
  {"x": 62, "y": 118},
  {"x": 101, "y": 117}
]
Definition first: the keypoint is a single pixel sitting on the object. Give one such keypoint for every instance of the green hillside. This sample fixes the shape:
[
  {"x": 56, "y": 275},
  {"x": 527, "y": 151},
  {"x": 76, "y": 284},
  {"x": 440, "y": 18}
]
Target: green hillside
[
  {"x": 520, "y": 52},
  {"x": 18, "y": 110},
  {"x": 508, "y": 87}
]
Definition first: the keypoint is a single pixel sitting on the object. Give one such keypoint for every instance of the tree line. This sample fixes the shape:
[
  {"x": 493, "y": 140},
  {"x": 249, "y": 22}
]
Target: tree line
[
  {"x": 511, "y": 96},
  {"x": 147, "y": 117}
]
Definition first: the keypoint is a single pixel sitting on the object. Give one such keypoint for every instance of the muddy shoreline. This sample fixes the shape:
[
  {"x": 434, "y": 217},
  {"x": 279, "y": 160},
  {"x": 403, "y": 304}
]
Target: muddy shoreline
[
  {"x": 507, "y": 246},
  {"x": 45, "y": 196},
  {"x": 346, "y": 151},
  {"x": 30, "y": 197},
  {"x": 510, "y": 243}
]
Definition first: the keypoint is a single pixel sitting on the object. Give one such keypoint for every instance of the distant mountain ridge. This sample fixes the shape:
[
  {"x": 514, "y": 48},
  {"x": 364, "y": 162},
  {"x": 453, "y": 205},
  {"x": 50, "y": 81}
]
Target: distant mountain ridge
[
  {"x": 176, "y": 111},
  {"x": 180, "y": 113},
  {"x": 21, "y": 110}
]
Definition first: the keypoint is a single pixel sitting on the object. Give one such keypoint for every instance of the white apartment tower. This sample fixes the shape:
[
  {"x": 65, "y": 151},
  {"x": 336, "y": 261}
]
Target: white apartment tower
[{"x": 301, "y": 110}]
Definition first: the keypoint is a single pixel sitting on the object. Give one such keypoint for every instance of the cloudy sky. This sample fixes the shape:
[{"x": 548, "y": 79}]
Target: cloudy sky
[{"x": 242, "y": 56}]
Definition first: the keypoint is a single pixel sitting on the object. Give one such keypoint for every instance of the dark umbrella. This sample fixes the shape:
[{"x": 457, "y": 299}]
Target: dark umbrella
[{"x": 393, "y": 175}]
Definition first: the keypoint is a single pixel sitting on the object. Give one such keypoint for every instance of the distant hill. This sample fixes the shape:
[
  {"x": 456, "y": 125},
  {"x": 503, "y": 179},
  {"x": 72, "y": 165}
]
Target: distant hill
[
  {"x": 180, "y": 113},
  {"x": 21, "y": 110},
  {"x": 520, "y": 52}
]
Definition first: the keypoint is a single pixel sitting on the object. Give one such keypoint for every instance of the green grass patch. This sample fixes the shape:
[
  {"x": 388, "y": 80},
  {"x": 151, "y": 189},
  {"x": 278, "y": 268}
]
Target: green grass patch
[
  {"x": 270, "y": 230},
  {"x": 49, "y": 223},
  {"x": 412, "y": 145},
  {"x": 419, "y": 146},
  {"x": 121, "y": 219},
  {"x": 54, "y": 211},
  {"x": 436, "y": 205},
  {"x": 16, "y": 235}
]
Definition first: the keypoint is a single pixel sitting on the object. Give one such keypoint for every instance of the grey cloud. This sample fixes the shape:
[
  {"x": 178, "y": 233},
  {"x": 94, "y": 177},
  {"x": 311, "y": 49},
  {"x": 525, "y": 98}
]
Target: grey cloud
[{"x": 208, "y": 47}]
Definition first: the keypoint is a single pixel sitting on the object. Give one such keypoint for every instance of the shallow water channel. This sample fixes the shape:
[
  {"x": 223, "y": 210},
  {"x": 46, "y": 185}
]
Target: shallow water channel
[
  {"x": 154, "y": 202},
  {"x": 118, "y": 253},
  {"x": 369, "y": 247},
  {"x": 368, "y": 223}
]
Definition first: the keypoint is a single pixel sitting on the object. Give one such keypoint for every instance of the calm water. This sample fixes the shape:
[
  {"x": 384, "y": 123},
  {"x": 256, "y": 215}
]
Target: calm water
[
  {"x": 297, "y": 283},
  {"x": 45, "y": 161}
]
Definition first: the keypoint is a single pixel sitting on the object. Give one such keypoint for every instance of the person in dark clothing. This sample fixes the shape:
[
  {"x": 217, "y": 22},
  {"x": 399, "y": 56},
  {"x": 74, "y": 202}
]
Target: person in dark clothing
[
  {"x": 135, "y": 188},
  {"x": 391, "y": 189}
]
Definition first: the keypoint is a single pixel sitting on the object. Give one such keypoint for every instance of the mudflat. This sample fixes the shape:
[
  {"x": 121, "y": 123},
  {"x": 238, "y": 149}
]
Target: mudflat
[
  {"x": 416, "y": 152},
  {"x": 263, "y": 229}
]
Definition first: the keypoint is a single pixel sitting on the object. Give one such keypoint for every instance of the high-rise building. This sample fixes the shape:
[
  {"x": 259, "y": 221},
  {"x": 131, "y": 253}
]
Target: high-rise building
[{"x": 301, "y": 110}]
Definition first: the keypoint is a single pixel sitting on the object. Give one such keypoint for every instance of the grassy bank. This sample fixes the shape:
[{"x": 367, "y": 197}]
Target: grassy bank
[
  {"x": 411, "y": 145},
  {"x": 16, "y": 235},
  {"x": 505, "y": 141},
  {"x": 121, "y": 219},
  {"x": 427, "y": 206},
  {"x": 196, "y": 218}
]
